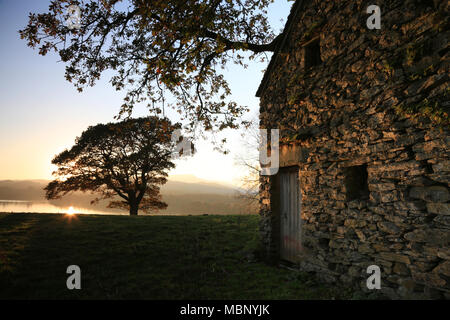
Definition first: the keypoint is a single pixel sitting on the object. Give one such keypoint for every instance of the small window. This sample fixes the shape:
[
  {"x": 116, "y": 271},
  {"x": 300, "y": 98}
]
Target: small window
[
  {"x": 312, "y": 54},
  {"x": 356, "y": 183}
]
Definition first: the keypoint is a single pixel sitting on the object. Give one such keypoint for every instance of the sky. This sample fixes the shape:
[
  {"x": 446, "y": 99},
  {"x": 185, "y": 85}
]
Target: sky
[{"x": 41, "y": 113}]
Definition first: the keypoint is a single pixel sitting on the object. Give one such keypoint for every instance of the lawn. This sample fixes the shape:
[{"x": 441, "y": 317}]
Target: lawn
[{"x": 144, "y": 257}]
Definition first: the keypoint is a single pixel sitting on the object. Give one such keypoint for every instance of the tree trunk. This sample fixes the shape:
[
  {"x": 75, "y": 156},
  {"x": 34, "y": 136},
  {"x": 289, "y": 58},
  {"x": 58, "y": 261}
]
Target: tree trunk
[{"x": 134, "y": 209}]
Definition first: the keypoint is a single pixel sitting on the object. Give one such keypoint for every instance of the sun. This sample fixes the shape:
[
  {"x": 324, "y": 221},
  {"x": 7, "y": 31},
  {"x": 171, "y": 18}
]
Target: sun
[{"x": 71, "y": 211}]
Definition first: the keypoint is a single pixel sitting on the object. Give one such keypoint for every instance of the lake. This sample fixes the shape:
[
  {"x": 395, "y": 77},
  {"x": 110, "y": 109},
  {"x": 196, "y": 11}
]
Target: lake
[{"x": 47, "y": 207}]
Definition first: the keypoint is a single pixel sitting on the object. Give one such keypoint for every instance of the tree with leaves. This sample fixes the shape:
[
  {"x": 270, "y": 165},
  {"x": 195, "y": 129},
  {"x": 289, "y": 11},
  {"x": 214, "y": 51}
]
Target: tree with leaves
[
  {"x": 159, "y": 47},
  {"x": 127, "y": 160}
]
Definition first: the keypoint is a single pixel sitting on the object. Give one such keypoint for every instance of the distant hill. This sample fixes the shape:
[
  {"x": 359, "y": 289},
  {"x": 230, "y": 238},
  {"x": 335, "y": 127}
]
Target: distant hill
[
  {"x": 183, "y": 197},
  {"x": 201, "y": 186},
  {"x": 22, "y": 190}
]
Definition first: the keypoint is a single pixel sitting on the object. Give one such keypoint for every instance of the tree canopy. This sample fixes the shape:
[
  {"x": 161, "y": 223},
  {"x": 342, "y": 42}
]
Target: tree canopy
[
  {"x": 159, "y": 46},
  {"x": 128, "y": 159}
]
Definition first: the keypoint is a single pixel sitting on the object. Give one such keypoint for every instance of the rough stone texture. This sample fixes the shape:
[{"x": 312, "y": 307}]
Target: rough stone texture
[{"x": 342, "y": 113}]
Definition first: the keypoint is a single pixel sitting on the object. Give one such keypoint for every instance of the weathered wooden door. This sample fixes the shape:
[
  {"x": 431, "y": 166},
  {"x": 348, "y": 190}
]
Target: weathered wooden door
[{"x": 290, "y": 219}]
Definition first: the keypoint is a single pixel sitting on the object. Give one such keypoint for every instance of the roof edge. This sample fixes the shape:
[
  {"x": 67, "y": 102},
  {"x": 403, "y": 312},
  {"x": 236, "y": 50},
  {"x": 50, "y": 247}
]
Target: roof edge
[{"x": 287, "y": 28}]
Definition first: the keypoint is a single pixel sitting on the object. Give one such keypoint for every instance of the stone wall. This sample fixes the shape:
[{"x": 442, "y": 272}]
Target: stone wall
[{"x": 366, "y": 104}]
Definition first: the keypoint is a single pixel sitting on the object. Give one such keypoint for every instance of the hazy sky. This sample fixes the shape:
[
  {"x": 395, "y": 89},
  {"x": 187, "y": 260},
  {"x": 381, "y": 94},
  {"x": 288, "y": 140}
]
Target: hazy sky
[{"x": 41, "y": 113}]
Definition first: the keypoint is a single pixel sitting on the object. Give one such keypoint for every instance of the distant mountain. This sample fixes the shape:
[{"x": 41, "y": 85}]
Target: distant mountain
[
  {"x": 186, "y": 178},
  {"x": 196, "y": 187},
  {"x": 184, "y": 184},
  {"x": 184, "y": 195},
  {"x": 22, "y": 190}
]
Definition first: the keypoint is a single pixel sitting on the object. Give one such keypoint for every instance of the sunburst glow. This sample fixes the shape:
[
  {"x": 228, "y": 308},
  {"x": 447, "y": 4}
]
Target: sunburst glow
[{"x": 71, "y": 211}]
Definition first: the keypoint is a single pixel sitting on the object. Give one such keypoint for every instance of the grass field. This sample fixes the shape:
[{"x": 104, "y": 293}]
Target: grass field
[{"x": 144, "y": 257}]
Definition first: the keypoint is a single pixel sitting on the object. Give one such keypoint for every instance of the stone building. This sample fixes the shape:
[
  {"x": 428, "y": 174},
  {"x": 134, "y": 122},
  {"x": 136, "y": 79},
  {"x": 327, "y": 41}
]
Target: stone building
[{"x": 364, "y": 145}]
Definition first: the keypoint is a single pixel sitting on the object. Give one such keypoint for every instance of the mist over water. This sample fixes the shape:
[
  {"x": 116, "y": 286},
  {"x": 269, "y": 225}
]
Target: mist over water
[
  {"x": 16, "y": 206},
  {"x": 183, "y": 198}
]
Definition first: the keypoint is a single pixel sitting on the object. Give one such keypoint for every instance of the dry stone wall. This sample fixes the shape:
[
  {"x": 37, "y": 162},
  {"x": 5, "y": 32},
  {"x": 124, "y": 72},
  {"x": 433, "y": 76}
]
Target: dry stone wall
[{"x": 378, "y": 101}]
